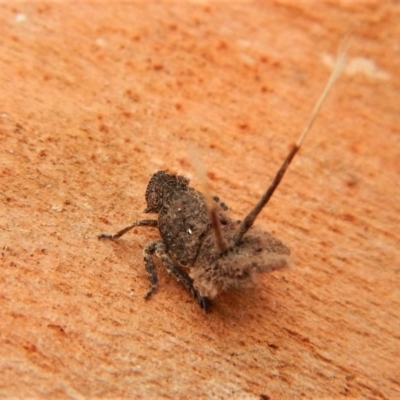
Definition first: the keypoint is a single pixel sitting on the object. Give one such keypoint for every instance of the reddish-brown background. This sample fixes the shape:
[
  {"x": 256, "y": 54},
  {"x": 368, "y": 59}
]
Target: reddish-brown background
[{"x": 95, "y": 98}]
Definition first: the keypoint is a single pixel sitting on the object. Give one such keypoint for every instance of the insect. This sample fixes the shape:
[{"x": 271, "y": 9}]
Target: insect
[{"x": 201, "y": 245}]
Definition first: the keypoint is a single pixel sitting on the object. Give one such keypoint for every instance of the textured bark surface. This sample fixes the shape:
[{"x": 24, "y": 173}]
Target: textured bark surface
[{"x": 95, "y": 98}]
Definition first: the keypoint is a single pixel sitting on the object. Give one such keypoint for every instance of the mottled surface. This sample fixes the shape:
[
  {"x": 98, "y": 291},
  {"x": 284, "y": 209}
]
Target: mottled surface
[
  {"x": 95, "y": 98},
  {"x": 200, "y": 237}
]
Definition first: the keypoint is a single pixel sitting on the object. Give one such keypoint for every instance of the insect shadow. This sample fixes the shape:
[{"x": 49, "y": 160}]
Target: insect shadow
[{"x": 201, "y": 245}]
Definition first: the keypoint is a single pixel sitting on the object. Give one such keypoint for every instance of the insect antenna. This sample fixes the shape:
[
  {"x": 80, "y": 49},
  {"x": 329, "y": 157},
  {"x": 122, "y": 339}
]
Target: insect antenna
[
  {"x": 251, "y": 217},
  {"x": 211, "y": 204}
]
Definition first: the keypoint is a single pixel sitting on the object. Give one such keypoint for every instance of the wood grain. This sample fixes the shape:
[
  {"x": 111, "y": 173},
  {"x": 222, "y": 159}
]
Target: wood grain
[{"x": 94, "y": 98}]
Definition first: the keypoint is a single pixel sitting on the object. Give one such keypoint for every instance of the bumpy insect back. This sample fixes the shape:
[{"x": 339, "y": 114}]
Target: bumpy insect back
[{"x": 184, "y": 223}]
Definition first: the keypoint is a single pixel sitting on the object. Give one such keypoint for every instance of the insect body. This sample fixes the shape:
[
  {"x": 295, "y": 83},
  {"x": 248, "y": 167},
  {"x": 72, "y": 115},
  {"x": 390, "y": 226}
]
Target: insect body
[
  {"x": 206, "y": 250},
  {"x": 187, "y": 241}
]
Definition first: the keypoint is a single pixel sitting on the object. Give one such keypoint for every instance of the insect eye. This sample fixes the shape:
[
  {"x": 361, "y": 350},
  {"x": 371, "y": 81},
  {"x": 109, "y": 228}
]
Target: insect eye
[
  {"x": 154, "y": 202},
  {"x": 154, "y": 192}
]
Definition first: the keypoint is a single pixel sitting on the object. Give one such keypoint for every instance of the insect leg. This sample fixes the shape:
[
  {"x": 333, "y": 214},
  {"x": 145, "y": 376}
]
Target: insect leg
[
  {"x": 141, "y": 222},
  {"x": 180, "y": 275},
  {"x": 150, "y": 267}
]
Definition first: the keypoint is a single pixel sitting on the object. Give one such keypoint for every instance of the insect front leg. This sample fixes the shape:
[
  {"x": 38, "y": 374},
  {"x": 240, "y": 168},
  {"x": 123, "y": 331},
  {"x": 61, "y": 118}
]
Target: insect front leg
[
  {"x": 150, "y": 267},
  {"x": 142, "y": 222},
  {"x": 180, "y": 275}
]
